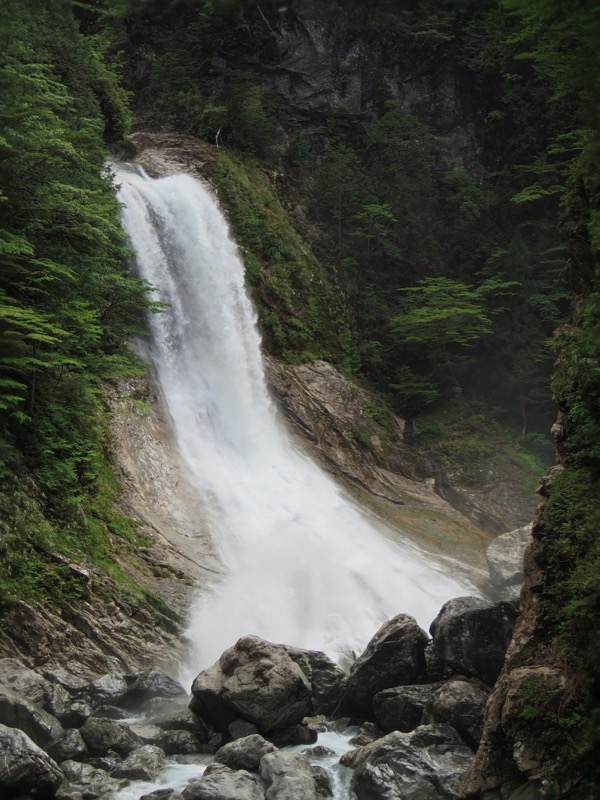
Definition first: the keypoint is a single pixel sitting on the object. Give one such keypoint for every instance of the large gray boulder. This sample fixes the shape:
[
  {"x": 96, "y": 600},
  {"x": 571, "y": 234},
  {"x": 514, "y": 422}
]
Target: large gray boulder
[
  {"x": 426, "y": 764},
  {"x": 224, "y": 784},
  {"x": 183, "y": 720},
  {"x": 68, "y": 747},
  {"x": 257, "y": 681},
  {"x": 144, "y": 764},
  {"x": 402, "y": 708},
  {"x": 18, "y": 712},
  {"x": 505, "y": 557},
  {"x": 290, "y": 776},
  {"x": 109, "y": 689},
  {"x": 395, "y": 656},
  {"x": 102, "y": 735},
  {"x": 471, "y": 636},
  {"x": 327, "y": 680},
  {"x": 461, "y": 703},
  {"x": 244, "y": 753},
  {"x": 24, "y": 767}
]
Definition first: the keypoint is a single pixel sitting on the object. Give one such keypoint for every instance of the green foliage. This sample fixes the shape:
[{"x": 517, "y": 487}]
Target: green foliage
[{"x": 301, "y": 317}]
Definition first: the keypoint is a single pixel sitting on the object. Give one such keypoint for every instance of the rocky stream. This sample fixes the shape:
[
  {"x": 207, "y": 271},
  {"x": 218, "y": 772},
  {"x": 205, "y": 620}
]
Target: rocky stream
[{"x": 269, "y": 720}]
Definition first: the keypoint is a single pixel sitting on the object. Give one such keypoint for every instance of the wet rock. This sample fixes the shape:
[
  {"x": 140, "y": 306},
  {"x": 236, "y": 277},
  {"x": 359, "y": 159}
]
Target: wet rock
[
  {"x": 366, "y": 734},
  {"x": 505, "y": 557},
  {"x": 224, "y": 784},
  {"x": 395, "y": 656},
  {"x": 106, "y": 711},
  {"x": 163, "y": 794},
  {"x": 177, "y": 742},
  {"x": 185, "y": 720},
  {"x": 294, "y": 735},
  {"x": 77, "y": 714},
  {"x": 69, "y": 746},
  {"x": 460, "y": 703},
  {"x": 149, "y": 684},
  {"x": 254, "y": 680},
  {"x": 426, "y": 764},
  {"x": 244, "y": 753},
  {"x": 96, "y": 781},
  {"x": 24, "y": 767},
  {"x": 402, "y": 708},
  {"x": 319, "y": 751},
  {"x": 14, "y": 675},
  {"x": 240, "y": 728},
  {"x": 107, "y": 762},
  {"x": 471, "y": 636},
  {"x": 109, "y": 689},
  {"x": 102, "y": 735},
  {"x": 144, "y": 764},
  {"x": 18, "y": 712},
  {"x": 289, "y": 776},
  {"x": 327, "y": 680},
  {"x": 71, "y": 683}
]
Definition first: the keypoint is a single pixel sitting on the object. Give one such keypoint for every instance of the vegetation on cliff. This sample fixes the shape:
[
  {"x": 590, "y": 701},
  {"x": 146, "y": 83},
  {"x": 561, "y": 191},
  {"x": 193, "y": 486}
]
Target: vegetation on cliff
[{"x": 67, "y": 300}]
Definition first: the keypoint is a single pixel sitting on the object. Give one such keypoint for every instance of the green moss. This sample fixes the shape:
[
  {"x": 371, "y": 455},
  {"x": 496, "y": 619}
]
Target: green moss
[{"x": 300, "y": 313}]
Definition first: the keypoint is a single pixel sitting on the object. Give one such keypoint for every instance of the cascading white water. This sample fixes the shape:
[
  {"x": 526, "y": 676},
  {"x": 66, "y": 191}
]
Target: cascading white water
[{"x": 305, "y": 565}]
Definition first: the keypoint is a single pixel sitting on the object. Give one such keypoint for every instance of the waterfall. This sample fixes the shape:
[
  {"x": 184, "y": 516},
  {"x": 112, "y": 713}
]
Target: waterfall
[{"x": 305, "y": 565}]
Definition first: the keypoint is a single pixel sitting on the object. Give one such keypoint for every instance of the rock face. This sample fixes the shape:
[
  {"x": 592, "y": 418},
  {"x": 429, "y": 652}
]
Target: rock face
[
  {"x": 255, "y": 680},
  {"x": 505, "y": 557},
  {"x": 394, "y": 656},
  {"x": 426, "y": 764},
  {"x": 471, "y": 636},
  {"x": 24, "y": 768}
]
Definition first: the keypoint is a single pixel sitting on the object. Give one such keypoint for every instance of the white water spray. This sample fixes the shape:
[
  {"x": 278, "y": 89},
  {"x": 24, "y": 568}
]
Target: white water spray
[{"x": 305, "y": 566}]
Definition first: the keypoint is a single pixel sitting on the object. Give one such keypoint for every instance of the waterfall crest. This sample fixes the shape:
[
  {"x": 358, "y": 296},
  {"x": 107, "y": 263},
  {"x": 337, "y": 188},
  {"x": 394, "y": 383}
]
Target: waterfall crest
[{"x": 305, "y": 565}]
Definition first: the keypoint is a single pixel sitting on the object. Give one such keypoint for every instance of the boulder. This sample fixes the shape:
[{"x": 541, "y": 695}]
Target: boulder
[
  {"x": 327, "y": 680},
  {"x": 402, "y": 708},
  {"x": 176, "y": 743},
  {"x": 224, "y": 784},
  {"x": 471, "y": 636},
  {"x": 366, "y": 734},
  {"x": 71, "y": 683},
  {"x": 20, "y": 679},
  {"x": 505, "y": 557},
  {"x": 102, "y": 735},
  {"x": 144, "y": 764},
  {"x": 18, "y": 712},
  {"x": 240, "y": 728},
  {"x": 426, "y": 764},
  {"x": 244, "y": 753},
  {"x": 185, "y": 720},
  {"x": 96, "y": 781},
  {"x": 76, "y": 714},
  {"x": 69, "y": 746},
  {"x": 290, "y": 776},
  {"x": 294, "y": 735},
  {"x": 109, "y": 689},
  {"x": 24, "y": 767},
  {"x": 149, "y": 684},
  {"x": 257, "y": 681},
  {"x": 460, "y": 703},
  {"x": 163, "y": 794},
  {"x": 395, "y": 656}
]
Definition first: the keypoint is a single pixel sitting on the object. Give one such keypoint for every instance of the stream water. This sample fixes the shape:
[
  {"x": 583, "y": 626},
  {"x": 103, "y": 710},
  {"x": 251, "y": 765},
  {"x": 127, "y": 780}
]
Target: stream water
[{"x": 305, "y": 565}]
